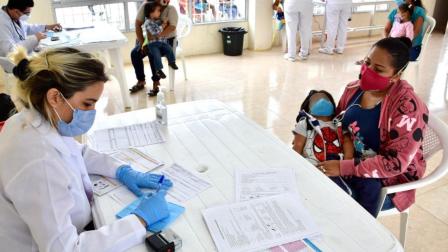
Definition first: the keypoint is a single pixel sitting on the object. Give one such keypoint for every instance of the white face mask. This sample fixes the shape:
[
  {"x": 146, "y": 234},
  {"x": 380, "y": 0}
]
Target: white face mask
[{"x": 25, "y": 18}]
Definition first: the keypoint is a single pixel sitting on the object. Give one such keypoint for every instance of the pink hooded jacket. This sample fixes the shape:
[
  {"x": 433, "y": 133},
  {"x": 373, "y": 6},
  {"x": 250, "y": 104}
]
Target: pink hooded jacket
[{"x": 403, "y": 120}]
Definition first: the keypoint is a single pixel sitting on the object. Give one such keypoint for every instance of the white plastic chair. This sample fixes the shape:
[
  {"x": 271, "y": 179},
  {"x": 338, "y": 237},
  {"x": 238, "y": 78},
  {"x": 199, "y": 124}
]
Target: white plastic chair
[
  {"x": 183, "y": 29},
  {"x": 435, "y": 139},
  {"x": 6, "y": 65},
  {"x": 428, "y": 27}
]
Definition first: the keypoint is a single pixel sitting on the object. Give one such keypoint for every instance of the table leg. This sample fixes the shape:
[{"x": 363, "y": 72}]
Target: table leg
[{"x": 117, "y": 61}]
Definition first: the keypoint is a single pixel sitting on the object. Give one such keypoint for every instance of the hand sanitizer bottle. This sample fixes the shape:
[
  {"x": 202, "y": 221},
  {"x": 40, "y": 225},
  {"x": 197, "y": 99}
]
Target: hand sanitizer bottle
[{"x": 161, "y": 109}]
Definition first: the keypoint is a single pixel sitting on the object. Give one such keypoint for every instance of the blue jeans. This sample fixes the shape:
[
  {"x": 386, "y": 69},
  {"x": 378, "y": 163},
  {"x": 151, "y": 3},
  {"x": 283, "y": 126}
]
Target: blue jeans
[
  {"x": 157, "y": 50},
  {"x": 366, "y": 191},
  {"x": 137, "y": 57},
  {"x": 414, "y": 52},
  {"x": 388, "y": 204}
]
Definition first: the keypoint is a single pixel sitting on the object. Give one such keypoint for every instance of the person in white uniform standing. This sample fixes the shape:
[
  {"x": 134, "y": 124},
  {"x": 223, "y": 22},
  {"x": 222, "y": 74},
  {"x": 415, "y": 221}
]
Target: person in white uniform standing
[
  {"x": 337, "y": 14},
  {"x": 298, "y": 14},
  {"x": 15, "y": 30},
  {"x": 45, "y": 190}
]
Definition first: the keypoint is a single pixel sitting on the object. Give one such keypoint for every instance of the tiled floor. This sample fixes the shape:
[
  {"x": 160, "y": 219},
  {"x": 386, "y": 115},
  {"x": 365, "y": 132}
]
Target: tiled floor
[{"x": 269, "y": 90}]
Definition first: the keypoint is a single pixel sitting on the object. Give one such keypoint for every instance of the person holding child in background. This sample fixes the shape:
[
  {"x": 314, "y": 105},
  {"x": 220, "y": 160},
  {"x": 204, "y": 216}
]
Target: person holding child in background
[
  {"x": 403, "y": 26},
  {"x": 157, "y": 46}
]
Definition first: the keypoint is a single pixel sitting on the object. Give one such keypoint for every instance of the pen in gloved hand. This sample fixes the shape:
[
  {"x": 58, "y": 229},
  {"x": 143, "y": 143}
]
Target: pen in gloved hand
[{"x": 160, "y": 183}]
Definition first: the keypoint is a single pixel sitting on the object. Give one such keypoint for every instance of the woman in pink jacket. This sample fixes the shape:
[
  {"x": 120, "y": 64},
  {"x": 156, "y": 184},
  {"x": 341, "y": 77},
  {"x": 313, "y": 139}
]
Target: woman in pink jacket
[{"x": 385, "y": 119}]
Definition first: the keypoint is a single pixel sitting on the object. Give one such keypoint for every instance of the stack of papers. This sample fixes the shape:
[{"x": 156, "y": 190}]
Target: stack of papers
[
  {"x": 137, "y": 159},
  {"x": 259, "y": 224},
  {"x": 113, "y": 139},
  {"x": 186, "y": 184},
  {"x": 269, "y": 215},
  {"x": 263, "y": 183}
]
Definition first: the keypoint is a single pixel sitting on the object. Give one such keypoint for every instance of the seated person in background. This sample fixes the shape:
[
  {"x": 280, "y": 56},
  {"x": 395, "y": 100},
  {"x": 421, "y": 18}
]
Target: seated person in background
[
  {"x": 316, "y": 137},
  {"x": 15, "y": 30},
  {"x": 403, "y": 26},
  {"x": 169, "y": 13},
  {"x": 157, "y": 46},
  {"x": 418, "y": 17}
]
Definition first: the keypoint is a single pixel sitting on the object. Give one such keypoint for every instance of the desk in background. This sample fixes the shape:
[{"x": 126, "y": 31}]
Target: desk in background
[{"x": 98, "y": 39}]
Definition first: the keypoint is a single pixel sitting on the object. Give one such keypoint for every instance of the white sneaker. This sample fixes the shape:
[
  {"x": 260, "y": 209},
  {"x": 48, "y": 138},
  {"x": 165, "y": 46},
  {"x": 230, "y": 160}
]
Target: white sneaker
[
  {"x": 302, "y": 56},
  {"x": 325, "y": 51},
  {"x": 339, "y": 51},
  {"x": 286, "y": 57}
]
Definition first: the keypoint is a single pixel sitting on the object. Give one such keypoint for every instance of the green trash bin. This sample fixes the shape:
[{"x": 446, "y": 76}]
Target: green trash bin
[{"x": 233, "y": 40}]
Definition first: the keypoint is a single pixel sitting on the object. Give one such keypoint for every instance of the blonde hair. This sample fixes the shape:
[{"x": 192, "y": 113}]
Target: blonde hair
[{"x": 66, "y": 69}]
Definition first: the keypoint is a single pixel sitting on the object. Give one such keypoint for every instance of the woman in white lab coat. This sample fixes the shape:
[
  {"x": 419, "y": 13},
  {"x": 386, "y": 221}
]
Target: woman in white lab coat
[
  {"x": 45, "y": 191},
  {"x": 337, "y": 14},
  {"x": 298, "y": 14},
  {"x": 15, "y": 30}
]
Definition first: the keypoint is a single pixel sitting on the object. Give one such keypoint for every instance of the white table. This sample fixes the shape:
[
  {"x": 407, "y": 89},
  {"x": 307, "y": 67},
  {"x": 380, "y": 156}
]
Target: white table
[
  {"x": 209, "y": 133},
  {"x": 101, "y": 38}
]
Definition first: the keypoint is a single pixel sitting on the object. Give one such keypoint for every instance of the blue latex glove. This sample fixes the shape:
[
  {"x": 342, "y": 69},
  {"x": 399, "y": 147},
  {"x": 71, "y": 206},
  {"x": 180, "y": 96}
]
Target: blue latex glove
[
  {"x": 135, "y": 180},
  {"x": 153, "y": 208}
]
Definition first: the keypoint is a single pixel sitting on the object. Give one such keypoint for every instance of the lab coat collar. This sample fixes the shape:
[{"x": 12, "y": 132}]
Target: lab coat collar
[
  {"x": 37, "y": 121},
  {"x": 5, "y": 14}
]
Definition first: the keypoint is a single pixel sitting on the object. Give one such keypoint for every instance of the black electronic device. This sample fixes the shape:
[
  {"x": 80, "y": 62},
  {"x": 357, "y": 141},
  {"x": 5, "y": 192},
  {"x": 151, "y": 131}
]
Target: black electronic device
[{"x": 158, "y": 243}]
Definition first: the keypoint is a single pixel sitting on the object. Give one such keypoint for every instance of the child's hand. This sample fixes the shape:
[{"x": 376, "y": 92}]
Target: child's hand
[{"x": 330, "y": 168}]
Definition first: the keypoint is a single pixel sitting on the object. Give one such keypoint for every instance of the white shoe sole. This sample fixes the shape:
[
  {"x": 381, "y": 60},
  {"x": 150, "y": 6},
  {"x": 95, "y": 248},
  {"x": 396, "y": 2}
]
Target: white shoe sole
[{"x": 324, "y": 51}]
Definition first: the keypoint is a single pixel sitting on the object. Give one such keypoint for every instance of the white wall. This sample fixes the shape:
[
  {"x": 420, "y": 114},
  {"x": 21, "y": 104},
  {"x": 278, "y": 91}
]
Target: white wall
[{"x": 260, "y": 19}]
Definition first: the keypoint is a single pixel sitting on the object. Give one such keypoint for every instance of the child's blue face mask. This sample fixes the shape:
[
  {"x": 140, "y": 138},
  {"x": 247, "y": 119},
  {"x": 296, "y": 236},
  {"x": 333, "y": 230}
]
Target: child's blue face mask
[
  {"x": 322, "y": 107},
  {"x": 81, "y": 123}
]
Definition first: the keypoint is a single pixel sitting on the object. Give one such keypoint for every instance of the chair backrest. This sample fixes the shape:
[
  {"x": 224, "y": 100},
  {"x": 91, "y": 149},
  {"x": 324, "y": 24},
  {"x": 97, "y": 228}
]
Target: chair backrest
[
  {"x": 6, "y": 64},
  {"x": 183, "y": 27},
  {"x": 435, "y": 139},
  {"x": 428, "y": 27}
]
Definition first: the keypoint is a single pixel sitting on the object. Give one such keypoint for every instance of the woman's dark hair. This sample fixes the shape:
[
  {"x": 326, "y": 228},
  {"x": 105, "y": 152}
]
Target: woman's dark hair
[
  {"x": 398, "y": 48},
  {"x": 417, "y": 3},
  {"x": 406, "y": 8},
  {"x": 306, "y": 105},
  {"x": 21, "y": 5},
  {"x": 150, "y": 7}
]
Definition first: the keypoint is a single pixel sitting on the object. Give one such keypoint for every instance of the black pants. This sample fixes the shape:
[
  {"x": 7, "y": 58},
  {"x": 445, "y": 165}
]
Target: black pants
[
  {"x": 7, "y": 107},
  {"x": 137, "y": 57}
]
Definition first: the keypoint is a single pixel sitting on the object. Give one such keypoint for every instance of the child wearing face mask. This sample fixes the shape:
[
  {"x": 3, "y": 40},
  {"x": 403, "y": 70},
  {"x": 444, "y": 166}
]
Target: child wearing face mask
[
  {"x": 317, "y": 137},
  {"x": 402, "y": 26}
]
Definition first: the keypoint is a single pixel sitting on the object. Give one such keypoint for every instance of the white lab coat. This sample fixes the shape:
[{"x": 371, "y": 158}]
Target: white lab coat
[
  {"x": 13, "y": 34},
  {"x": 298, "y": 14},
  {"x": 43, "y": 192},
  {"x": 337, "y": 14}
]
